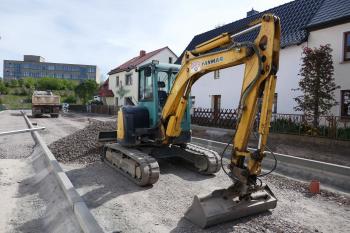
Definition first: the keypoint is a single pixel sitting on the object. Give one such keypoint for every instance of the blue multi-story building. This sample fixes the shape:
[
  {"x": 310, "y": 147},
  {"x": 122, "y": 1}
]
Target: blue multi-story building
[{"x": 36, "y": 67}]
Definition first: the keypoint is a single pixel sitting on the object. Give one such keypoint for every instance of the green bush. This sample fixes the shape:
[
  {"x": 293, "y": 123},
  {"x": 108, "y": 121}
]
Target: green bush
[
  {"x": 344, "y": 133},
  {"x": 50, "y": 84},
  {"x": 29, "y": 82},
  {"x": 14, "y": 83},
  {"x": 70, "y": 99},
  {"x": 20, "y": 82},
  {"x": 3, "y": 88}
]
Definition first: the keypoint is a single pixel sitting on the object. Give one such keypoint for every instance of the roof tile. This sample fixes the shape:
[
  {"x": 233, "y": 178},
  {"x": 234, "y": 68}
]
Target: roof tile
[
  {"x": 331, "y": 11},
  {"x": 134, "y": 62},
  {"x": 294, "y": 16}
]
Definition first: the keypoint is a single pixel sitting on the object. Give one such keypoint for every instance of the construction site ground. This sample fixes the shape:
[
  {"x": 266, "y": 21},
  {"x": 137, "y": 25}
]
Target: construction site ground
[{"x": 121, "y": 206}]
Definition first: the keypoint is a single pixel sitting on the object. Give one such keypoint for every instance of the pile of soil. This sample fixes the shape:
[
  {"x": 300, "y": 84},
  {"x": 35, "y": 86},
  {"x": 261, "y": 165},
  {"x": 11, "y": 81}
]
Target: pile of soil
[{"x": 81, "y": 146}]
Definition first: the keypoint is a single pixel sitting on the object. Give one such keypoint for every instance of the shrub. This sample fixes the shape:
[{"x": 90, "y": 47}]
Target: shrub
[
  {"x": 13, "y": 83},
  {"x": 3, "y": 88},
  {"x": 70, "y": 99}
]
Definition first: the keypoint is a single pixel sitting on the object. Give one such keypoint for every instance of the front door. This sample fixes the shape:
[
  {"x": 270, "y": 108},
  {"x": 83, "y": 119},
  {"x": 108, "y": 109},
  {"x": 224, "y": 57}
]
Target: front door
[{"x": 216, "y": 105}]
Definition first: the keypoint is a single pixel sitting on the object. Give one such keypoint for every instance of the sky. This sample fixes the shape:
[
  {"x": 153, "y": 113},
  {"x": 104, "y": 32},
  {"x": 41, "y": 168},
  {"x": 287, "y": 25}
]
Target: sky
[{"x": 107, "y": 33}]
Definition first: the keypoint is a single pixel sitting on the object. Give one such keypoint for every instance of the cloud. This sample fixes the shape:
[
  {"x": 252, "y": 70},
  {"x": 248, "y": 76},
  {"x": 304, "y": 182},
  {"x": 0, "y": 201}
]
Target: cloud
[{"x": 108, "y": 32}]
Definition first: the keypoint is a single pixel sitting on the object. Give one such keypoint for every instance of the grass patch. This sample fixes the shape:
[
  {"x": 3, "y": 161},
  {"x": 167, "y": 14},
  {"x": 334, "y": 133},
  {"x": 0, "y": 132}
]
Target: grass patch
[{"x": 15, "y": 102}]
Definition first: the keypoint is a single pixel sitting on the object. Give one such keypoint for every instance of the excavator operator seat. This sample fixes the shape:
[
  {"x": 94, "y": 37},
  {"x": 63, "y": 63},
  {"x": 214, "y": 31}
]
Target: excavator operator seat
[{"x": 162, "y": 95}]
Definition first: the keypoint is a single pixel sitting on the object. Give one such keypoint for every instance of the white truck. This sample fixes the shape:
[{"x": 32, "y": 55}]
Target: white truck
[{"x": 45, "y": 102}]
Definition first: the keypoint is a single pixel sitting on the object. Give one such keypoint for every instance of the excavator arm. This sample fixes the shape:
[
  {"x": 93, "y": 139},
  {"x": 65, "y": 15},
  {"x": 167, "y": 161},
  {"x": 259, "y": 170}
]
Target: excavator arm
[
  {"x": 261, "y": 64},
  {"x": 246, "y": 196}
]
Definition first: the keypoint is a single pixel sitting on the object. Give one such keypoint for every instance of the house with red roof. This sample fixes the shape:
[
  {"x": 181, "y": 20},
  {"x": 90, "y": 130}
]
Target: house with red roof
[
  {"x": 123, "y": 80},
  {"x": 106, "y": 94}
]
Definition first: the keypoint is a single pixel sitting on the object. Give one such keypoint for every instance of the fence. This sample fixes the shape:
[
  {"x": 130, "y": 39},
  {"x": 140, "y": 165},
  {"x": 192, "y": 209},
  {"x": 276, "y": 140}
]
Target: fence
[
  {"x": 334, "y": 127},
  {"x": 99, "y": 109}
]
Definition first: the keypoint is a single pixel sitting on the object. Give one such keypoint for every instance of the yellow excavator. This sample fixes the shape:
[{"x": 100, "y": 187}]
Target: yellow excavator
[{"x": 159, "y": 125}]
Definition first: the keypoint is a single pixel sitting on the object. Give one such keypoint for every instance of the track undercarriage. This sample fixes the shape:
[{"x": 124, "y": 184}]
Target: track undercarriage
[{"x": 140, "y": 165}]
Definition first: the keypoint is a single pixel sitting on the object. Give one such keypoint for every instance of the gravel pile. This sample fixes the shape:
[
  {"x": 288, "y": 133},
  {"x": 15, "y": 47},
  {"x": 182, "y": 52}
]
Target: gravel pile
[{"x": 81, "y": 146}]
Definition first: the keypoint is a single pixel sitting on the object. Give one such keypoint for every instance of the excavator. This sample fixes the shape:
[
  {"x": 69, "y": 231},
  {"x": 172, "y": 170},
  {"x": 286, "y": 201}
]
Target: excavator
[{"x": 159, "y": 125}]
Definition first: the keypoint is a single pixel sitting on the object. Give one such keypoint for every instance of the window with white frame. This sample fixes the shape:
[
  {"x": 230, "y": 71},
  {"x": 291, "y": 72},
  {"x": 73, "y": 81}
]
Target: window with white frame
[
  {"x": 345, "y": 103},
  {"x": 347, "y": 46},
  {"x": 216, "y": 74},
  {"x": 117, "y": 81},
  {"x": 128, "y": 79}
]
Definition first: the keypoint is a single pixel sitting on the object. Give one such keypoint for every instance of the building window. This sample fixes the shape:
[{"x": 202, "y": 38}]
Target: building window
[
  {"x": 170, "y": 60},
  {"x": 347, "y": 46},
  {"x": 274, "y": 106},
  {"x": 345, "y": 103},
  {"x": 193, "y": 101},
  {"x": 116, "y": 101},
  {"x": 117, "y": 81},
  {"x": 128, "y": 79},
  {"x": 216, "y": 74}
]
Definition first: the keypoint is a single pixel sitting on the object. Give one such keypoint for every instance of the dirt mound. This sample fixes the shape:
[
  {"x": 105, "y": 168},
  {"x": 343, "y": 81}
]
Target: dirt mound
[{"x": 81, "y": 146}]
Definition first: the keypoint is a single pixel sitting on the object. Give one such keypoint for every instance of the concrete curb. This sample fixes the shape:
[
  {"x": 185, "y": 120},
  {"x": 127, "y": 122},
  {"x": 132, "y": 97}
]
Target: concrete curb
[
  {"x": 86, "y": 220},
  {"x": 331, "y": 175}
]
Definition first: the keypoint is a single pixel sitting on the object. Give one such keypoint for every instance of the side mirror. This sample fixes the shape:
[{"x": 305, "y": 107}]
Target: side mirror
[{"x": 148, "y": 71}]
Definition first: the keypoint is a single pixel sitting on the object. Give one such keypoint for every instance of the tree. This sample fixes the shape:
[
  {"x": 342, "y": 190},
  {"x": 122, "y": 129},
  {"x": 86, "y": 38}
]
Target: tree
[
  {"x": 14, "y": 83},
  {"x": 3, "y": 88},
  {"x": 86, "y": 90},
  {"x": 317, "y": 83},
  {"x": 70, "y": 99},
  {"x": 122, "y": 91}
]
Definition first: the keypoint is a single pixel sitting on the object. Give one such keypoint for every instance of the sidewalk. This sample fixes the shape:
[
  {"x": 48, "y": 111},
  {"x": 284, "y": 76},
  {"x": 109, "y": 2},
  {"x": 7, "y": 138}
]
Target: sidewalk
[{"x": 321, "y": 149}]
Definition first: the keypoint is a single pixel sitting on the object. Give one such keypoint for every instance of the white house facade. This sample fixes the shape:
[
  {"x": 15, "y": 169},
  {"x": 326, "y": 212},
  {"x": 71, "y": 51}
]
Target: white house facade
[
  {"x": 304, "y": 24},
  {"x": 336, "y": 36},
  {"x": 123, "y": 80}
]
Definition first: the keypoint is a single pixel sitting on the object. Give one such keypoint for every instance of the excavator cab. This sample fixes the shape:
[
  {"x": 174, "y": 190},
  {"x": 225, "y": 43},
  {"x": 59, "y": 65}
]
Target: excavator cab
[
  {"x": 140, "y": 124},
  {"x": 155, "y": 82}
]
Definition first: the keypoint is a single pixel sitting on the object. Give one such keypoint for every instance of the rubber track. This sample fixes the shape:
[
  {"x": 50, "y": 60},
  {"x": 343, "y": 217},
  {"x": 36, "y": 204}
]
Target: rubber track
[
  {"x": 148, "y": 165},
  {"x": 212, "y": 157}
]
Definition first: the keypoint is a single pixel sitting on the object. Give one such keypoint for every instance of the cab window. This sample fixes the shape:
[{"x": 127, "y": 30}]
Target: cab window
[{"x": 145, "y": 86}]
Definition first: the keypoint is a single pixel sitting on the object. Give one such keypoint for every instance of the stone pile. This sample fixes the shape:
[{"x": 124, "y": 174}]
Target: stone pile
[{"x": 81, "y": 146}]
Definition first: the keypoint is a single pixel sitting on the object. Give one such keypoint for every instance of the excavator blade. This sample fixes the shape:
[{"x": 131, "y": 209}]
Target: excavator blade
[
  {"x": 217, "y": 207},
  {"x": 107, "y": 136}
]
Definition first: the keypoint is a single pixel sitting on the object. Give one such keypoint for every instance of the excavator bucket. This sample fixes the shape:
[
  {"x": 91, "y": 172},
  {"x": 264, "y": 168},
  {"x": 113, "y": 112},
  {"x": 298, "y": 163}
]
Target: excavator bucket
[
  {"x": 107, "y": 136},
  {"x": 218, "y": 207}
]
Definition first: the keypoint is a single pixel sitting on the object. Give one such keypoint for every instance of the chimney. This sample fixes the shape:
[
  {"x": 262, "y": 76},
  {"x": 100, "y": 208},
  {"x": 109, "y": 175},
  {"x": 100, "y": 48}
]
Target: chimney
[
  {"x": 252, "y": 12},
  {"x": 142, "y": 53}
]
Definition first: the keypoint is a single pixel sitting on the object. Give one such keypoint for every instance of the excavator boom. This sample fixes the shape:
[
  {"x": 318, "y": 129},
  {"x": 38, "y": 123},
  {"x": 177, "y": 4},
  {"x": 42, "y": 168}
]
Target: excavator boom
[{"x": 248, "y": 195}]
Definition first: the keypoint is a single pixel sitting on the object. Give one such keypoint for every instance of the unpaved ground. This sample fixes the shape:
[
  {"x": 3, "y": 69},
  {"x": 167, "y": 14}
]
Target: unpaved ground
[
  {"x": 119, "y": 205},
  {"x": 31, "y": 199},
  {"x": 14, "y": 146}
]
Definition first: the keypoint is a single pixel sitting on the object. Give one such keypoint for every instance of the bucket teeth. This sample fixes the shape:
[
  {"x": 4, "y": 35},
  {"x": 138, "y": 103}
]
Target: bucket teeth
[{"x": 218, "y": 207}]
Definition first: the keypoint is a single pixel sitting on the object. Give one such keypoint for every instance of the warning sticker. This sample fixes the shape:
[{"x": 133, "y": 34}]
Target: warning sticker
[{"x": 195, "y": 67}]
